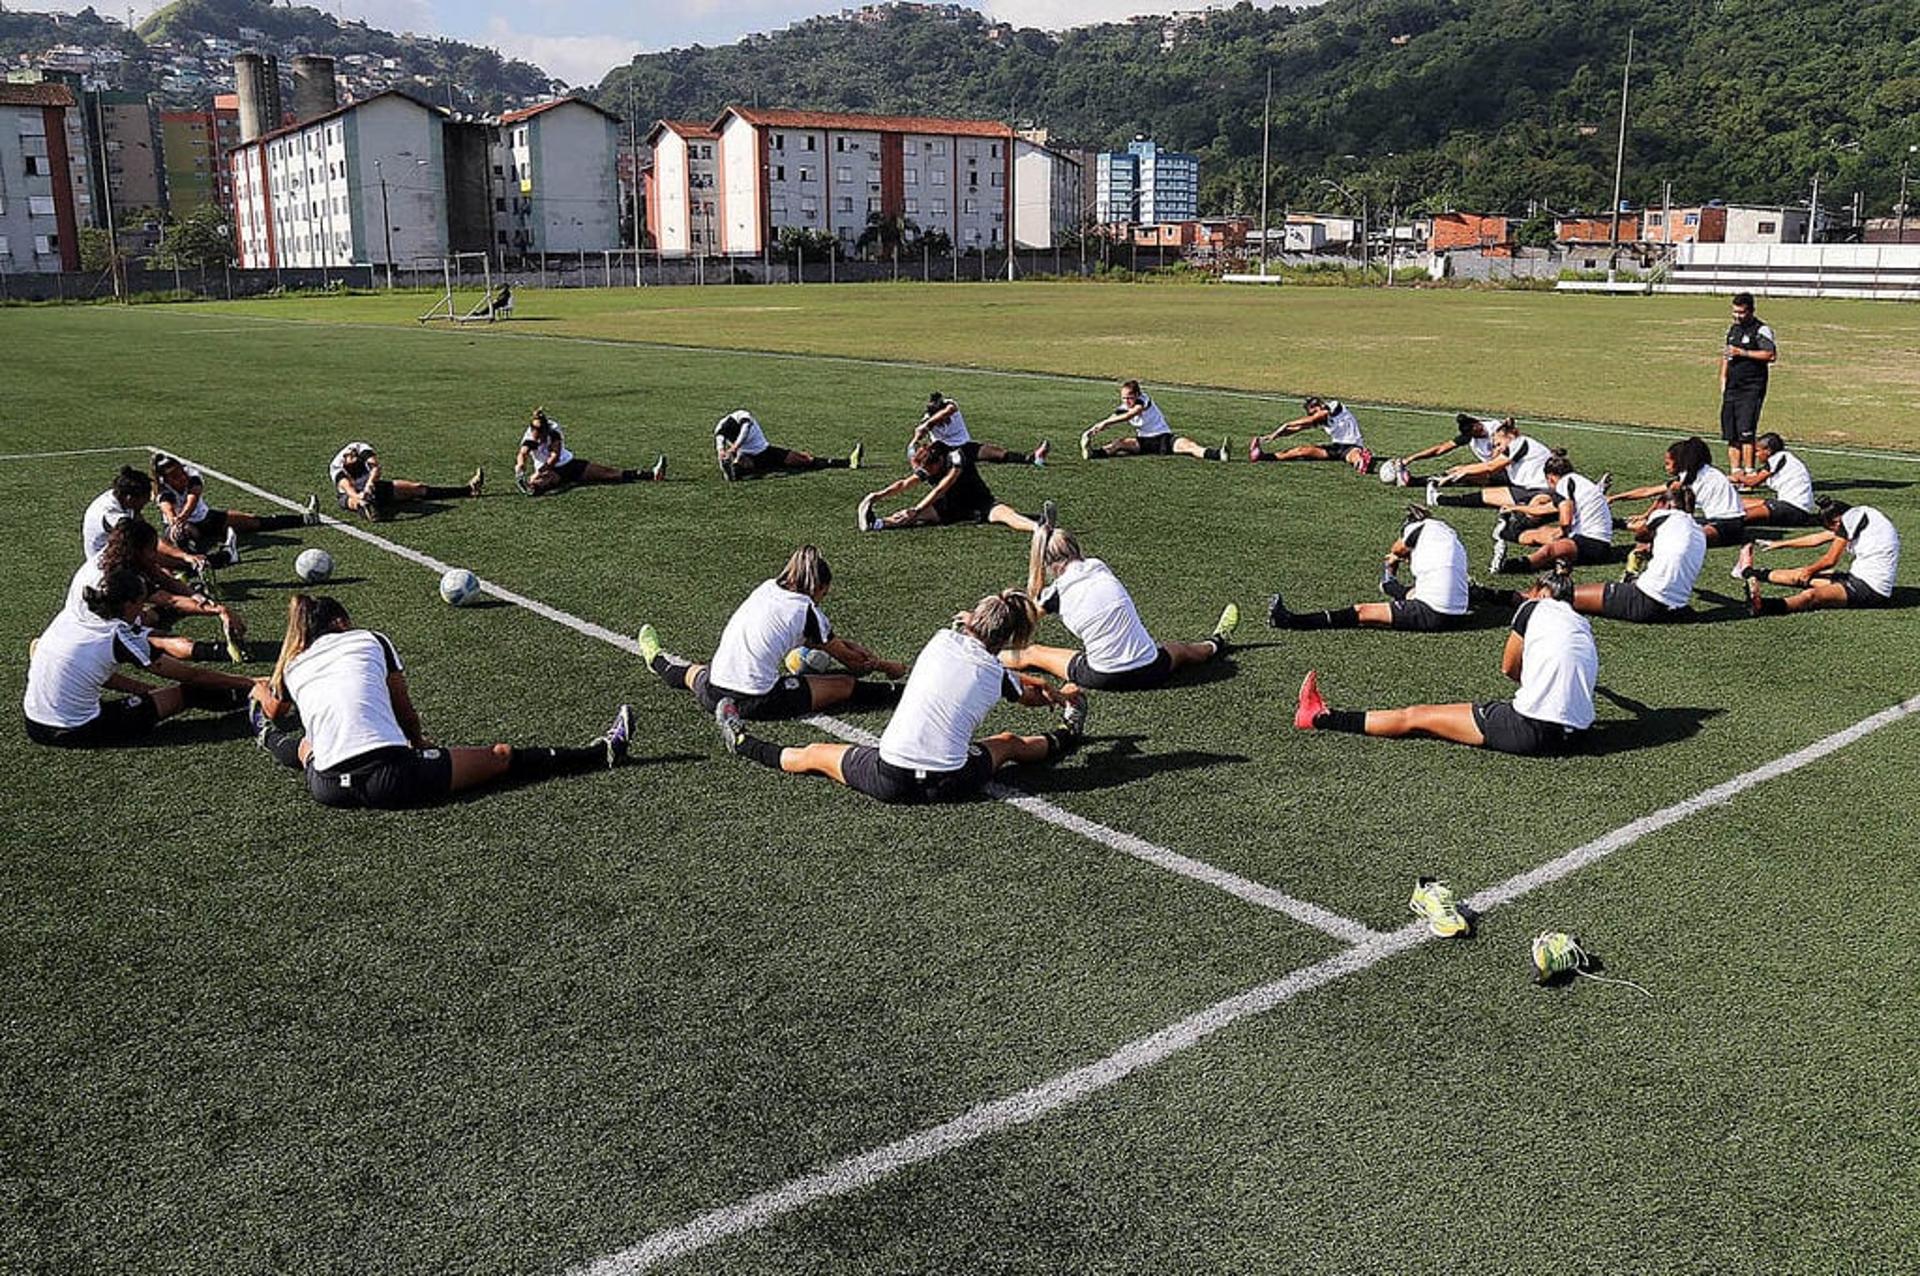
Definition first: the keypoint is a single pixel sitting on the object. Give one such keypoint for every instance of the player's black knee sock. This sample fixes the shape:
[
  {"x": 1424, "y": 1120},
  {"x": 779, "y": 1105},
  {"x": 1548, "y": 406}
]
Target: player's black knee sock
[
  {"x": 765, "y": 752},
  {"x": 633, "y": 476},
  {"x": 448, "y": 492},
  {"x": 1099, "y": 454},
  {"x": 205, "y": 650},
  {"x": 1016, "y": 458},
  {"x": 538, "y": 763},
  {"x": 1353, "y": 721},
  {"x": 1516, "y": 565},
  {"x": 219, "y": 558},
  {"x": 1465, "y": 501},
  {"x": 1773, "y": 607},
  {"x": 1398, "y": 590},
  {"x": 830, "y": 463},
  {"x": 280, "y": 522},
  {"x": 1061, "y": 742},
  {"x": 1214, "y": 454},
  {"x": 1333, "y": 618},
  {"x": 1482, "y": 596},
  {"x": 284, "y": 746},
  {"x": 876, "y": 695},
  {"x": 213, "y": 699},
  {"x": 671, "y": 671}
]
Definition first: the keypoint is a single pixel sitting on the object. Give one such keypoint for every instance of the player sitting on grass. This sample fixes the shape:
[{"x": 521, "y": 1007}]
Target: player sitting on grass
[
  {"x": 955, "y": 494},
  {"x": 1119, "y": 655},
  {"x": 1476, "y": 435},
  {"x": 1669, "y": 551},
  {"x": 1343, "y": 437},
  {"x": 928, "y": 753},
  {"x": 750, "y": 667},
  {"x": 544, "y": 463},
  {"x": 1514, "y": 475},
  {"x": 362, "y": 744},
  {"x": 1716, "y": 502},
  {"x": 197, "y": 528},
  {"x": 78, "y": 656},
  {"x": 1786, "y": 475},
  {"x": 359, "y": 485},
  {"x": 1860, "y": 530},
  {"x": 126, "y": 499},
  {"x": 744, "y": 452},
  {"x": 1579, "y": 534},
  {"x": 1440, "y": 597},
  {"x": 945, "y": 426},
  {"x": 1550, "y": 652},
  {"x": 135, "y": 546},
  {"x": 1152, "y": 436}
]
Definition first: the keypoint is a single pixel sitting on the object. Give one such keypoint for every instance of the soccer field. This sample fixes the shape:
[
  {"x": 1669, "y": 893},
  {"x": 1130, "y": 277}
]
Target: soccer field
[{"x": 1157, "y": 1008}]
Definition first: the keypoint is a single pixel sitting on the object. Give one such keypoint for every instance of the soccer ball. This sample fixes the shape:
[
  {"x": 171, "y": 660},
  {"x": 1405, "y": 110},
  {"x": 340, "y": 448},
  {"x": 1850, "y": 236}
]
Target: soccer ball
[
  {"x": 808, "y": 660},
  {"x": 459, "y": 587},
  {"x": 313, "y": 566},
  {"x": 1393, "y": 473}
]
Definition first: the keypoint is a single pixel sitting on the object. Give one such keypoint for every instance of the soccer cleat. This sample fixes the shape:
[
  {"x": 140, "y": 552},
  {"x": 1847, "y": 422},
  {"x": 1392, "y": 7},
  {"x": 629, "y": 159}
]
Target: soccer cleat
[
  {"x": 1225, "y": 444},
  {"x": 206, "y": 580},
  {"x": 726, "y": 719},
  {"x": 854, "y": 457},
  {"x": 1365, "y": 465},
  {"x": 1403, "y": 477},
  {"x": 478, "y": 483},
  {"x": 311, "y": 514},
  {"x": 1253, "y": 450},
  {"x": 1742, "y": 562},
  {"x": 863, "y": 518},
  {"x": 1312, "y": 706},
  {"x": 1555, "y": 953},
  {"x": 258, "y": 722},
  {"x": 1499, "y": 559},
  {"x": 728, "y": 470},
  {"x": 1433, "y": 491},
  {"x": 618, "y": 735},
  {"x": 1606, "y": 482},
  {"x": 526, "y": 488},
  {"x": 232, "y": 547},
  {"x": 1229, "y": 621},
  {"x": 1049, "y": 518},
  {"x": 1040, "y": 454},
  {"x": 649, "y": 642},
  {"x": 1637, "y": 559},
  {"x": 1433, "y": 900},
  {"x": 1754, "y": 599},
  {"x": 1086, "y": 447},
  {"x": 659, "y": 470},
  {"x": 1277, "y": 613},
  {"x": 1073, "y": 715},
  {"x": 234, "y": 630},
  {"x": 1389, "y": 577},
  {"x": 370, "y": 506}
]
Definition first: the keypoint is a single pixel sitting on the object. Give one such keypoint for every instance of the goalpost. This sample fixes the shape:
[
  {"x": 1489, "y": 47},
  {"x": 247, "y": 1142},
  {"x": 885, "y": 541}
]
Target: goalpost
[{"x": 493, "y": 303}]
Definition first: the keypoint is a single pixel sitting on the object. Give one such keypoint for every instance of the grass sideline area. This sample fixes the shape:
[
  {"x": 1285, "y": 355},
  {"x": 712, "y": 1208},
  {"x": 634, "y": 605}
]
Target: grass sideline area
[{"x": 538, "y": 1026}]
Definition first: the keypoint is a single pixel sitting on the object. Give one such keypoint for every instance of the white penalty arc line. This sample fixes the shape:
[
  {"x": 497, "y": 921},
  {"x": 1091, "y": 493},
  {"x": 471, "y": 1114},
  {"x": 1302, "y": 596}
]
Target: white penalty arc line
[
  {"x": 78, "y": 451},
  {"x": 1342, "y": 928},
  {"x": 867, "y": 1168}
]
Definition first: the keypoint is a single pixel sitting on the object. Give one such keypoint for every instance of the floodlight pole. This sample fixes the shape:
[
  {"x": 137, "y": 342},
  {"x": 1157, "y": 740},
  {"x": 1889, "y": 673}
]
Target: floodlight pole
[
  {"x": 1900, "y": 235},
  {"x": 1266, "y": 162},
  {"x": 1620, "y": 160},
  {"x": 386, "y": 222}
]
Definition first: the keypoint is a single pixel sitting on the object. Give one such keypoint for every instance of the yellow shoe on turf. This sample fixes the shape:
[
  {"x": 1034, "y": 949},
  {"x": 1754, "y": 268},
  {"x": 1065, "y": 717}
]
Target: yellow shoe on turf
[
  {"x": 649, "y": 643},
  {"x": 1229, "y": 621},
  {"x": 1434, "y": 901}
]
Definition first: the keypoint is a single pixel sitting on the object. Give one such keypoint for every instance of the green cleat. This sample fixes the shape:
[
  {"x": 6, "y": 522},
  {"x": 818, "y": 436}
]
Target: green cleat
[
  {"x": 649, "y": 644},
  {"x": 234, "y": 631},
  {"x": 1226, "y": 443},
  {"x": 854, "y": 457},
  {"x": 1223, "y": 629},
  {"x": 726, "y": 720},
  {"x": 1434, "y": 901}
]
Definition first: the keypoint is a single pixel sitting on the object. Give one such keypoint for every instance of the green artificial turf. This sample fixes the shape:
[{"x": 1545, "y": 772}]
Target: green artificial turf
[{"x": 532, "y": 1028}]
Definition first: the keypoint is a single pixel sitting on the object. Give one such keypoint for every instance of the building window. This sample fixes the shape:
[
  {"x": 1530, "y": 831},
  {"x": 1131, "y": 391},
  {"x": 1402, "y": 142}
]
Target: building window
[
  {"x": 33, "y": 166},
  {"x": 994, "y": 150},
  {"x": 970, "y": 206},
  {"x": 806, "y": 175},
  {"x": 811, "y": 139},
  {"x": 706, "y": 152},
  {"x": 843, "y": 174},
  {"x": 939, "y": 208},
  {"x": 913, "y": 207},
  {"x": 993, "y": 178},
  {"x": 911, "y": 177},
  {"x": 779, "y": 172},
  {"x": 1691, "y": 219},
  {"x": 939, "y": 177},
  {"x": 873, "y": 178},
  {"x": 1767, "y": 228},
  {"x": 840, "y": 144},
  {"x": 779, "y": 141},
  {"x": 846, "y": 203},
  {"x": 911, "y": 146},
  {"x": 40, "y": 205},
  {"x": 938, "y": 146},
  {"x": 46, "y": 245}
]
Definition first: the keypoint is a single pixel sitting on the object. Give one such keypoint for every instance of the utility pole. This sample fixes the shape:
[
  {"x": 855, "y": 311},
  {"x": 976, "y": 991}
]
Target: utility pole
[
  {"x": 1813, "y": 208},
  {"x": 633, "y": 175},
  {"x": 1620, "y": 159},
  {"x": 106, "y": 198},
  {"x": 1266, "y": 162},
  {"x": 1900, "y": 235},
  {"x": 386, "y": 222}
]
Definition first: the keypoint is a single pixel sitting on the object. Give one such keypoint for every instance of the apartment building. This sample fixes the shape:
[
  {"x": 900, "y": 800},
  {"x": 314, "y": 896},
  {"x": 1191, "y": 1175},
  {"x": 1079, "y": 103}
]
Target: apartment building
[
  {"x": 196, "y": 144},
  {"x": 1146, "y": 185},
  {"x": 44, "y": 193},
  {"x": 680, "y": 190}
]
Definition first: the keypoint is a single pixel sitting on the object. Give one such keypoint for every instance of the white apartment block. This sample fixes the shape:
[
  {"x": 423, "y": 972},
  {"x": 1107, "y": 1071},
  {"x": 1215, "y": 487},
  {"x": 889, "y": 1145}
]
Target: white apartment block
[
  {"x": 44, "y": 198},
  {"x": 562, "y": 187},
  {"x": 1049, "y": 195},
  {"x": 680, "y": 189}
]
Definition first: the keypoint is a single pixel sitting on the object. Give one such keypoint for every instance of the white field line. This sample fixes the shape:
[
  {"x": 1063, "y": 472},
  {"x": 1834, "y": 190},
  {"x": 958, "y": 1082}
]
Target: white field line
[
  {"x": 856, "y": 1172},
  {"x": 1344, "y": 929},
  {"x": 1204, "y": 391},
  {"x": 78, "y": 451}
]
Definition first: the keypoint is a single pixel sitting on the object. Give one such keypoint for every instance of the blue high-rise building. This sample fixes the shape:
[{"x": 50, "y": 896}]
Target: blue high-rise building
[{"x": 1146, "y": 184}]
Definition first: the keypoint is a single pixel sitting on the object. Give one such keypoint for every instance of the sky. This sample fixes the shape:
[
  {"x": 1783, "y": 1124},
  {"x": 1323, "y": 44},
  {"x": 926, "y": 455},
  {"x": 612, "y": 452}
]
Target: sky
[{"x": 581, "y": 40}]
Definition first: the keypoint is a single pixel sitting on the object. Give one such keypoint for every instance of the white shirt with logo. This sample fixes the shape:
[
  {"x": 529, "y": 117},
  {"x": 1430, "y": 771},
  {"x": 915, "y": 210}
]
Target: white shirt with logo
[
  {"x": 1714, "y": 495},
  {"x": 337, "y": 468},
  {"x": 744, "y": 429},
  {"x": 1592, "y": 515},
  {"x": 952, "y": 432},
  {"x": 955, "y": 683},
  {"x": 71, "y": 663},
  {"x": 546, "y": 447},
  {"x": 1097, "y": 608},
  {"x": 1559, "y": 664},
  {"x": 1439, "y": 564},
  {"x": 1342, "y": 426},
  {"x": 1152, "y": 422},
  {"x": 177, "y": 497},
  {"x": 105, "y": 514},
  {"x": 1527, "y": 462},
  {"x": 1677, "y": 552},
  {"x": 762, "y": 630},
  {"x": 1875, "y": 546},
  {"x": 1790, "y": 480},
  {"x": 339, "y": 684}
]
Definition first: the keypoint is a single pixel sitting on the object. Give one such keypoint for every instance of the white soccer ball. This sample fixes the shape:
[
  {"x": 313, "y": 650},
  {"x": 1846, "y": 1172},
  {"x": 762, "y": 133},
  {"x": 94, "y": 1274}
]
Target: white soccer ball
[
  {"x": 313, "y": 566},
  {"x": 1390, "y": 472},
  {"x": 808, "y": 660},
  {"x": 459, "y": 587}
]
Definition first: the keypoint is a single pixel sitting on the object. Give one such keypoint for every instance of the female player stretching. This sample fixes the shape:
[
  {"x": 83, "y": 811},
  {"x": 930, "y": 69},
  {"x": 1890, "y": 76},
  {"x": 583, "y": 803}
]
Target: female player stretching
[
  {"x": 945, "y": 426},
  {"x": 1515, "y": 475},
  {"x": 363, "y": 745},
  {"x": 743, "y": 451},
  {"x": 1440, "y": 598},
  {"x": 750, "y": 667},
  {"x": 1860, "y": 530},
  {"x": 1550, "y": 652},
  {"x": 359, "y": 484},
  {"x": 1716, "y": 501},
  {"x": 955, "y": 494},
  {"x": 1119, "y": 654},
  {"x": 1786, "y": 475},
  {"x": 928, "y": 753},
  {"x": 1671, "y": 549},
  {"x": 199, "y": 529},
  {"x": 77, "y": 657},
  {"x": 1476, "y": 435},
  {"x": 1580, "y": 535},
  {"x": 545, "y": 464},
  {"x": 1152, "y": 436},
  {"x": 128, "y": 496},
  {"x": 1343, "y": 437},
  {"x": 135, "y": 546}
]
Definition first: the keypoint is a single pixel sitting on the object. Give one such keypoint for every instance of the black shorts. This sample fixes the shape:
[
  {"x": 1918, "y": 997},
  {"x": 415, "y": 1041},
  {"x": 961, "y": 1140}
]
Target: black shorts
[
  {"x": 573, "y": 471},
  {"x": 205, "y": 536},
  {"x": 790, "y": 697},
  {"x": 1781, "y": 514},
  {"x": 1145, "y": 678},
  {"x": 121, "y": 721},
  {"x": 969, "y": 500},
  {"x": 1155, "y": 444},
  {"x": 1859, "y": 593},
  {"x": 382, "y": 494},
  {"x": 867, "y": 772},
  {"x": 1414, "y": 616},
  {"x": 1337, "y": 451},
  {"x": 1740, "y": 416},
  {"x": 1592, "y": 551},
  {"x": 1727, "y": 531},
  {"x": 1526, "y": 495},
  {"x": 385, "y": 780},
  {"x": 1506, "y": 730},
  {"x": 769, "y": 459},
  {"x": 1624, "y": 600}
]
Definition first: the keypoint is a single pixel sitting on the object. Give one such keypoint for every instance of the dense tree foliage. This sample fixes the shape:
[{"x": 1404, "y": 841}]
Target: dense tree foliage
[{"x": 1494, "y": 104}]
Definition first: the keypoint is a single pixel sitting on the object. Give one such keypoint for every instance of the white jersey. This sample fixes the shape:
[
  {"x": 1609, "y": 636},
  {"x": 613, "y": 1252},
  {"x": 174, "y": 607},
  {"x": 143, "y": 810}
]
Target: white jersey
[
  {"x": 951, "y": 432},
  {"x": 1559, "y": 664},
  {"x": 549, "y": 452},
  {"x": 1592, "y": 515},
  {"x": 70, "y": 666},
  {"x": 763, "y": 629},
  {"x": 105, "y": 514},
  {"x": 955, "y": 683},
  {"x": 1875, "y": 546},
  {"x": 1787, "y": 475},
  {"x": 177, "y": 497},
  {"x": 1094, "y": 604},
  {"x": 1482, "y": 444},
  {"x": 1677, "y": 552},
  {"x": 337, "y": 467},
  {"x": 1342, "y": 426},
  {"x": 339, "y": 684},
  {"x": 739, "y": 427},
  {"x": 1152, "y": 422},
  {"x": 1714, "y": 495},
  {"x": 1439, "y": 563},
  {"x": 90, "y": 576},
  {"x": 1527, "y": 462}
]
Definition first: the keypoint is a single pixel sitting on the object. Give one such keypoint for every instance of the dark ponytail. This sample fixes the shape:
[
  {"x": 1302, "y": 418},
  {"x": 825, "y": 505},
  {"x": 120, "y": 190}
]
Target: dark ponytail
[
  {"x": 1689, "y": 457},
  {"x": 108, "y": 600},
  {"x": 1558, "y": 465},
  {"x": 131, "y": 487}
]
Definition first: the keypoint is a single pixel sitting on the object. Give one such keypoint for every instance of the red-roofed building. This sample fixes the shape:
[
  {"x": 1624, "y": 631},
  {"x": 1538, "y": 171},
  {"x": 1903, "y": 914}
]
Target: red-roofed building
[
  {"x": 1490, "y": 234},
  {"x": 679, "y": 189},
  {"x": 44, "y": 197}
]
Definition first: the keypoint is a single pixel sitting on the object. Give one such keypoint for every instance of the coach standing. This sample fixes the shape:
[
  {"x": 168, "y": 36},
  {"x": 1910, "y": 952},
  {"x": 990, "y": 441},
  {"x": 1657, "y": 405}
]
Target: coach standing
[{"x": 1743, "y": 382}]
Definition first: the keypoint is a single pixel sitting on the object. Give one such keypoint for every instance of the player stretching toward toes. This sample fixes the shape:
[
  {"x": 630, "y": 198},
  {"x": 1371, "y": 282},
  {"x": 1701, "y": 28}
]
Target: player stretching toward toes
[
  {"x": 955, "y": 494},
  {"x": 1440, "y": 598},
  {"x": 135, "y": 546},
  {"x": 545, "y": 464},
  {"x": 743, "y": 451},
  {"x": 363, "y": 745},
  {"x": 125, "y": 500},
  {"x": 359, "y": 484},
  {"x": 1860, "y": 530},
  {"x": 1516, "y": 474},
  {"x": 1476, "y": 435},
  {"x": 1343, "y": 437},
  {"x": 928, "y": 753},
  {"x": 1716, "y": 502},
  {"x": 750, "y": 667},
  {"x": 1579, "y": 535},
  {"x": 1120, "y": 654},
  {"x": 192, "y": 525},
  {"x": 1152, "y": 436},
  {"x": 1662, "y": 568},
  {"x": 1786, "y": 475},
  {"x": 1550, "y": 652},
  {"x": 945, "y": 426}
]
